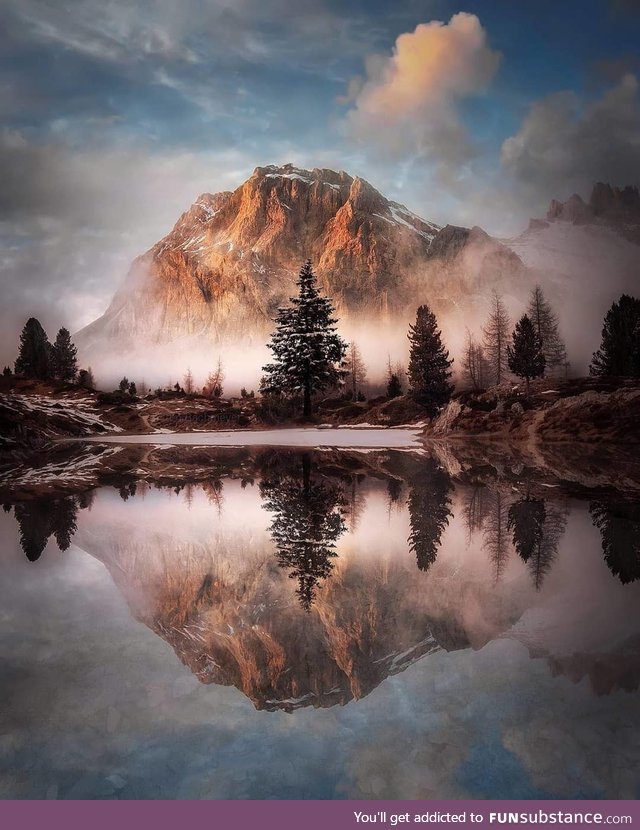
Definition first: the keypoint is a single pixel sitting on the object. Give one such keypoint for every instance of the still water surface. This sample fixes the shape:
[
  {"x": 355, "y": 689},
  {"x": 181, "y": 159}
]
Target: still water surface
[{"x": 305, "y": 625}]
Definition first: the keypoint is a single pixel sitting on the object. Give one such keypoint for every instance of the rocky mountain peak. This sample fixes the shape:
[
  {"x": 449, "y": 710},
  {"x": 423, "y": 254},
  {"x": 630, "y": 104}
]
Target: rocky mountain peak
[
  {"x": 232, "y": 258},
  {"x": 615, "y": 207}
]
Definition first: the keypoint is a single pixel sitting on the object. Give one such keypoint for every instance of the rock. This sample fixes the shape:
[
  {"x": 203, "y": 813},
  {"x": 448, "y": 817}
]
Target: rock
[
  {"x": 615, "y": 207},
  {"x": 233, "y": 258},
  {"x": 517, "y": 409}
]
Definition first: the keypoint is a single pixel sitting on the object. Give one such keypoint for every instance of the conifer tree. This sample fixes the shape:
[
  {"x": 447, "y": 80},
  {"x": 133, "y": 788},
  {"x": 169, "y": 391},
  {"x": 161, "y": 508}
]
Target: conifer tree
[
  {"x": 394, "y": 386},
  {"x": 429, "y": 363},
  {"x": 64, "y": 354},
  {"x": 537, "y": 529},
  {"x": 34, "y": 358},
  {"x": 619, "y": 352},
  {"x": 619, "y": 524},
  {"x": 545, "y": 324},
  {"x": 526, "y": 521},
  {"x": 63, "y": 522},
  {"x": 496, "y": 336},
  {"x": 429, "y": 506},
  {"x": 307, "y": 350},
  {"x": 525, "y": 357},
  {"x": 34, "y": 522},
  {"x": 307, "y": 522}
]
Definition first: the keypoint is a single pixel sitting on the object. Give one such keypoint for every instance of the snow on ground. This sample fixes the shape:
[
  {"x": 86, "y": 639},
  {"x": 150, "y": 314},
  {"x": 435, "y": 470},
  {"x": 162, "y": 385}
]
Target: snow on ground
[
  {"x": 79, "y": 411},
  {"x": 372, "y": 438},
  {"x": 400, "y": 212},
  {"x": 289, "y": 176},
  {"x": 81, "y": 468}
]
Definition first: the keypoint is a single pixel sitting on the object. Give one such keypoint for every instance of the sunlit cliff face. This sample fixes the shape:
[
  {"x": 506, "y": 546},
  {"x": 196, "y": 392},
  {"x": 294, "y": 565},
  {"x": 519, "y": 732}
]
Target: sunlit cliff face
[
  {"x": 210, "y": 289},
  {"x": 212, "y": 586}
]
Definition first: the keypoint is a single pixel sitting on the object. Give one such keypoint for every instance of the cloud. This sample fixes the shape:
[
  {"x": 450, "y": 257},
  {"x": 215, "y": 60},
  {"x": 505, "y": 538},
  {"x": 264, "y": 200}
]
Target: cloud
[
  {"x": 71, "y": 221},
  {"x": 564, "y": 146},
  {"x": 223, "y": 32},
  {"x": 612, "y": 70},
  {"x": 410, "y": 101}
]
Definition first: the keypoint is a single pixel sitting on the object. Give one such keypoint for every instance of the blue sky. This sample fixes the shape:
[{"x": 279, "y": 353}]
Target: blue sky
[{"x": 118, "y": 114}]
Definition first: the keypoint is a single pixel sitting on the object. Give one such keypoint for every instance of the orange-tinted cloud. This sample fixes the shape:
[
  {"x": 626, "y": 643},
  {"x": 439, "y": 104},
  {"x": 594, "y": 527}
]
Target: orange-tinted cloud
[{"x": 412, "y": 96}]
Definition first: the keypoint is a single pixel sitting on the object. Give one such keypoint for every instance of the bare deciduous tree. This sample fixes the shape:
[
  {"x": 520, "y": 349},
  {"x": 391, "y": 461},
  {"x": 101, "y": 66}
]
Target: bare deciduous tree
[
  {"x": 356, "y": 370},
  {"x": 474, "y": 363},
  {"x": 187, "y": 382},
  {"x": 496, "y": 337},
  {"x": 215, "y": 382}
]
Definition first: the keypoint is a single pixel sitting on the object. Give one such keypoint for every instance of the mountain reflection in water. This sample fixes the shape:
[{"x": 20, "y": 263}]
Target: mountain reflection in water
[
  {"x": 218, "y": 597},
  {"x": 306, "y": 579}
]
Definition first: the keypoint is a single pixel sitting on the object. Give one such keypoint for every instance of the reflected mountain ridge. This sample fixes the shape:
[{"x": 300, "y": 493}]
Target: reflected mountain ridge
[{"x": 306, "y": 578}]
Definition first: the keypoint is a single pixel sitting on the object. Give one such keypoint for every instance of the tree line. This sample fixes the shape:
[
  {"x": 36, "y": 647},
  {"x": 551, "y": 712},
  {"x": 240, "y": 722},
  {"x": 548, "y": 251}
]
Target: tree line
[
  {"x": 310, "y": 357},
  {"x": 311, "y": 509},
  {"x": 39, "y": 359},
  {"x": 532, "y": 349}
]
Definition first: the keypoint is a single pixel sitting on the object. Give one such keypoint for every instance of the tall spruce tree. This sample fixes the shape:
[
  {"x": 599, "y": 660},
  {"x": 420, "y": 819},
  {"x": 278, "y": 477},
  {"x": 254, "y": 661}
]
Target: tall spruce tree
[
  {"x": 619, "y": 524},
  {"x": 525, "y": 357},
  {"x": 394, "y": 386},
  {"x": 429, "y": 506},
  {"x": 307, "y": 350},
  {"x": 429, "y": 363},
  {"x": 34, "y": 358},
  {"x": 619, "y": 352},
  {"x": 526, "y": 521},
  {"x": 545, "y": 323},
  {"x": 64, "y": 354},
  {"x": 307, "y": 522},
  {"x": 496, "y": 337}
]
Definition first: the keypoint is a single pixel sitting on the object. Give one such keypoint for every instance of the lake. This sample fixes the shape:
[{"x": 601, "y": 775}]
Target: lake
[{"x": 268, "y": 622}]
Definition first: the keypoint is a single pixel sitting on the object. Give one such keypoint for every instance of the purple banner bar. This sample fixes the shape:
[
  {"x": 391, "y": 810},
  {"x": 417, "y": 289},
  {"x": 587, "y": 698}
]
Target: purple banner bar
[{"x": 313, "y": 815}]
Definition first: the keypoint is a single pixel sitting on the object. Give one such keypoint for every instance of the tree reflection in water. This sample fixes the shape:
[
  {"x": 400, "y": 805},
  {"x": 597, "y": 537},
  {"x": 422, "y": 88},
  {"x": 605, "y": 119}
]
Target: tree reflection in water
[
  {"x": 307, "y": 523},
  {"x": 537, "y": 528},
  {"x": 429, "y": 506},
  {"x": 619, "y": 524},
  {"x": 315, "y": 502},
  {"x": 41, "y": 518}
]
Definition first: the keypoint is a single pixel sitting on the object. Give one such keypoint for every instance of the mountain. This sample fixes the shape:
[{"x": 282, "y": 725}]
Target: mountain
[
  {"x": 613, "y": 207},
  {"x": 586, "y": 250},
  {"x": 210, "y": 288},
  {"x": 233, "y": 258},
  {"x": 213, "y": 589}
]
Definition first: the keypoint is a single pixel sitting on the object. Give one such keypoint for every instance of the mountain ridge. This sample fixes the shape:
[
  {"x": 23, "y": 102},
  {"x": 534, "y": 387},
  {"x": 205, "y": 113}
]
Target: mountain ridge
[
  {"x": 211, "y": 286},
  {"x": 231, "y": 259}
]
